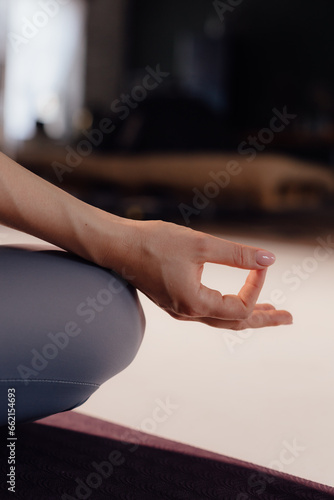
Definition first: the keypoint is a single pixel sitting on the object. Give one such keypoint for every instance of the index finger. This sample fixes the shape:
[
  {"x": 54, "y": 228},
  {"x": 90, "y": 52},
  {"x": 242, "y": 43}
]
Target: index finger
[{"x": 233, "y": 307}]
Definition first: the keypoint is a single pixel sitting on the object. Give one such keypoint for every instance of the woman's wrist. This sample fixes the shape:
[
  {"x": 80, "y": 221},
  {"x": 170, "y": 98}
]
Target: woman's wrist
[{"x": 109, "y": 241}]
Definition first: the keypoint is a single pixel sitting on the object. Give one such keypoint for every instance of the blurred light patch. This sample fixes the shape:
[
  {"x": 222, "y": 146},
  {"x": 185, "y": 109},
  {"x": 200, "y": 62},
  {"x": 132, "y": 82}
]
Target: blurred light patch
[{"x": 45, "y": 59}]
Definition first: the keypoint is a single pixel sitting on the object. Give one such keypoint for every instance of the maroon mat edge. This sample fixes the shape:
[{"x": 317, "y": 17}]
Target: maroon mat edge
[{"x": 78, "y": 422}]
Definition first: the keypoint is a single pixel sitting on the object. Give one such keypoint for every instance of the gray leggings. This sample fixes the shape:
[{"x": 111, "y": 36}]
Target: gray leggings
[{"x": 66, "y": 325}]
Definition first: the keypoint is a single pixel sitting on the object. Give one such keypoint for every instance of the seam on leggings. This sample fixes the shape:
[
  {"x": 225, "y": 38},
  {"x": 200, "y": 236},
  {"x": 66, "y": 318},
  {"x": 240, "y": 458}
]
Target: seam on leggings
[{"x": 49, "y": 381}]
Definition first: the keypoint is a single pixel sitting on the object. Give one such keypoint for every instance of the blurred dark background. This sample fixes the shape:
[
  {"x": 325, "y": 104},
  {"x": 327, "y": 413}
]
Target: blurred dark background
[
  {"x": 239, "y": 64},
  {"x": 181, "y": 88},
  {"x": 228, "y": 75}
]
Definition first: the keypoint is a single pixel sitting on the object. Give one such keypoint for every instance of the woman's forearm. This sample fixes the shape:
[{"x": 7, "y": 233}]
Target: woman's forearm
[{"x": 34, "y": 206}]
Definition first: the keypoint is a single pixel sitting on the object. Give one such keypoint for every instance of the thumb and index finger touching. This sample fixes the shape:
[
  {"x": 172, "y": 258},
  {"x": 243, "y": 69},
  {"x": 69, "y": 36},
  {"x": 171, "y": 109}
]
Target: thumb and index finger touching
[{"x": 232, "y": 254}]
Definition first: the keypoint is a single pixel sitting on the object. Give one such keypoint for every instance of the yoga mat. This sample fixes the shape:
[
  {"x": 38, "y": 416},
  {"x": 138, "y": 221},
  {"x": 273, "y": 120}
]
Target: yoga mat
[{"x": 72, "y": 456}]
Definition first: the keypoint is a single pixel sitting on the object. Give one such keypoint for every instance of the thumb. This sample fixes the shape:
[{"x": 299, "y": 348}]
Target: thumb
[{"x": 232, "y": 254}]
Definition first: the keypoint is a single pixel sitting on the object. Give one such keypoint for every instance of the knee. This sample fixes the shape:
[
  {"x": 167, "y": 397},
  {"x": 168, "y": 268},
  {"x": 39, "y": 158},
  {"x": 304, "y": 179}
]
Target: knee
[{"x": 78, "y": 325}]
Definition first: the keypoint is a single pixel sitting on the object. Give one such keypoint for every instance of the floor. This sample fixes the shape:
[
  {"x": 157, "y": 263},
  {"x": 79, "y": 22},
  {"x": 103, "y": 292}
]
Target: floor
[{"x": 263, "y": 396}]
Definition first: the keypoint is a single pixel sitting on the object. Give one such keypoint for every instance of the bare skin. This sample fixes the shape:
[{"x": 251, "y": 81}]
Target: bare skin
[{"x": 163, "y": 260}]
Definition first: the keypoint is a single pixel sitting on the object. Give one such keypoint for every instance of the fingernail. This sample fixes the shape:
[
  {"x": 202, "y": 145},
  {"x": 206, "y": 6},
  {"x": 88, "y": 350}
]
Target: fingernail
[{"x": 265, "y": 258}]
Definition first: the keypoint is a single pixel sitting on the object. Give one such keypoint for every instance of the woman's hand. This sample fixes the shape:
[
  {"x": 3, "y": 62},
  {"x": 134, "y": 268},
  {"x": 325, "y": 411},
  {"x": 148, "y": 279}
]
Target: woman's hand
[{"x": 165, "y": 261}]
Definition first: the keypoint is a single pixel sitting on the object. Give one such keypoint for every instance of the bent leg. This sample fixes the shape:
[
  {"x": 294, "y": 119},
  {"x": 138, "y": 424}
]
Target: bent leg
[{"x": 67, "y": 326}]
